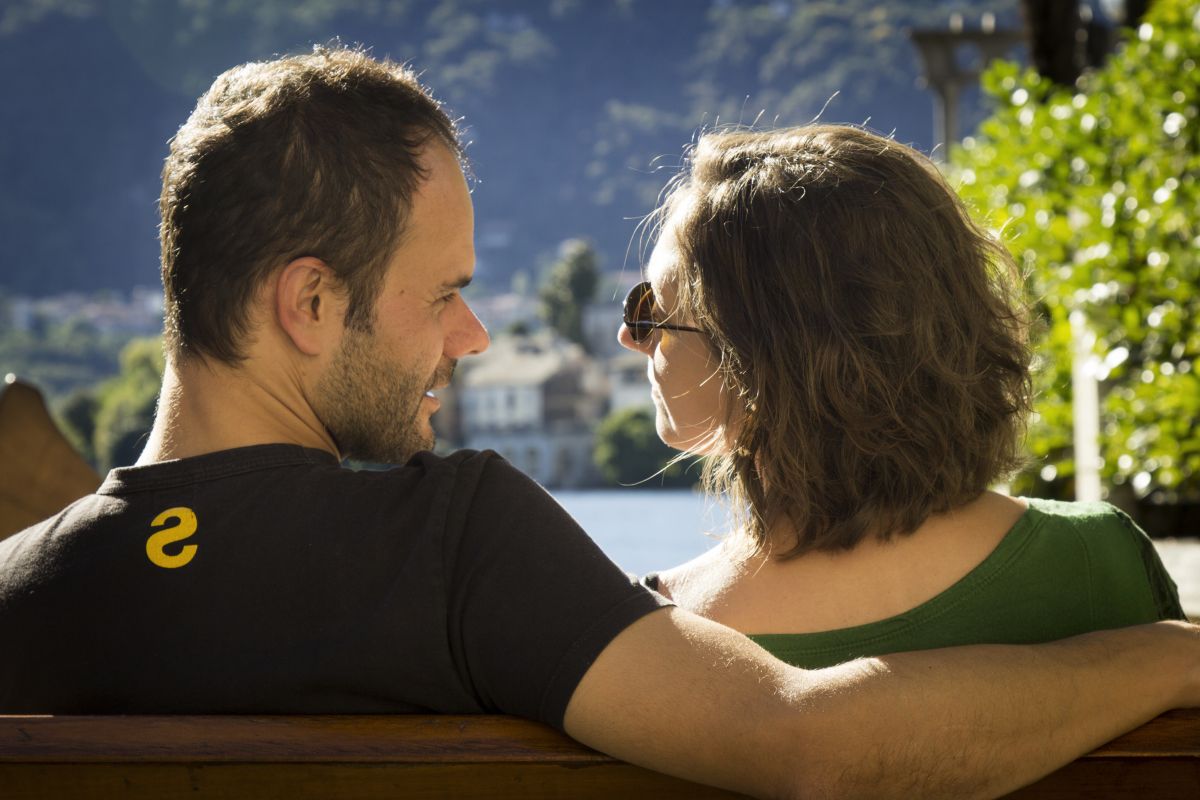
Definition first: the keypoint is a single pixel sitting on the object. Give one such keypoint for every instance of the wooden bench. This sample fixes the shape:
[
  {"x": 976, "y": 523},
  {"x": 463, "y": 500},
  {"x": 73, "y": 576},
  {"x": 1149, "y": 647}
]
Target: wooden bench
[
  {"x": 40, "y": 471},
  {"x": 300, "y": 757}
]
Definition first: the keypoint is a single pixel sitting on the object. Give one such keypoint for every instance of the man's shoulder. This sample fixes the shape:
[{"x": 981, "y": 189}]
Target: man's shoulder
[
  {"x": 288, "y": 465},
  {"x": 463, "y": 470},
  {"x": 480, "y": 479},
  {"x": 487, "y": 463},
  {"x": 429, "y": 462},
  {"x": 15, "y": 542},
  {"x": 284, "y": 492}
]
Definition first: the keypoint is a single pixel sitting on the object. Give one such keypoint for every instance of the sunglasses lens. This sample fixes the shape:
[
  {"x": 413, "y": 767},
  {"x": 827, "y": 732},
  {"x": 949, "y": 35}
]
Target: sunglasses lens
[{"x": 639, "y": 311}]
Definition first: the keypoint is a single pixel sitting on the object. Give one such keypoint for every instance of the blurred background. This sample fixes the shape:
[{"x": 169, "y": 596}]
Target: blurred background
[{"x": 1070, "y": 127}]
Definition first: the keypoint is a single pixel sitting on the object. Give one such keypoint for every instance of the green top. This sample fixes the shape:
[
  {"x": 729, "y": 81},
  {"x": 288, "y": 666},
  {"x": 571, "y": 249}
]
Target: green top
[{"x": 1063, "y": 569}]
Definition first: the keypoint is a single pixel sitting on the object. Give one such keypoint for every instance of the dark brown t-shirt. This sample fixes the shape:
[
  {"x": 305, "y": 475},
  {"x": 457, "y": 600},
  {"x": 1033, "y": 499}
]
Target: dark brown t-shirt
[{"x": 269, "y": 579}]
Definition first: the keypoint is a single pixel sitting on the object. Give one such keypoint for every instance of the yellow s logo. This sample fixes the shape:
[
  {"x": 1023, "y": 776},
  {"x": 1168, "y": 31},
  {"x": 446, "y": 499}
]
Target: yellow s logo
[{"x": 177, "y": 533}]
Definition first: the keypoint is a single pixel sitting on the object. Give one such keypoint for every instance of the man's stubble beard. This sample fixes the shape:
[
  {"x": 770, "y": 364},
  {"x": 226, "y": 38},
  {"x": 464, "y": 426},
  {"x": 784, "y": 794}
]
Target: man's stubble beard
[{"x": 370, "y": 402}]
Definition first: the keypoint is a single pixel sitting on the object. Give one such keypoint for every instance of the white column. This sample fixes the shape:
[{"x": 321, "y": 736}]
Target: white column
[{"x": 1086, "y": 407}]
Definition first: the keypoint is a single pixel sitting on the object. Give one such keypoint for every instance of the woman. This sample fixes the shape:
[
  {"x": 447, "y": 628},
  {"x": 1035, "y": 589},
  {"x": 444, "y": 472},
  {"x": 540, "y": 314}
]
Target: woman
[{"x": 824, "y": 321}]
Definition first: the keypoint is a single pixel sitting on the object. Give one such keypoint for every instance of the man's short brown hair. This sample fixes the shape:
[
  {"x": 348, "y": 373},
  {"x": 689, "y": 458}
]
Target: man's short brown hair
[
  {"x": 308, "y": 155},
  {"x": 874, "y": 336}
]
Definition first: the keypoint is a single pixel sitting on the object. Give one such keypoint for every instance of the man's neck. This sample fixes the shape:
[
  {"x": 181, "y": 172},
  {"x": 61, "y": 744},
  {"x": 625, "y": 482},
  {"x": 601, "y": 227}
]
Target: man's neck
[{"x": 205, "y": 407}]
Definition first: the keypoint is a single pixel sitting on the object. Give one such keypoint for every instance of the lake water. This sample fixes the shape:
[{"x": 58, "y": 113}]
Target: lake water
[
  {"x": 648, "y": 530},
  {"x": 644, "y": 530}
]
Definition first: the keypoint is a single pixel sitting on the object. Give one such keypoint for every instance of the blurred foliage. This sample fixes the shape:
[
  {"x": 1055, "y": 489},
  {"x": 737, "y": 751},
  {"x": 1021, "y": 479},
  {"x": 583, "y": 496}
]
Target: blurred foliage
[
  {"x": 1096, "y": 192},
  {"x": 127, "y": 402},
  {"x": 569, "y": 286},
  {"x": 183, "y": 44},
  {"x": 780, "y": 62},
  {"x": 16, "y": 15},
  {"x": 573, "y": 109},
  {"x": 628, "y": 452},
  {"x": 60, "y": 357},
  {"x": 849, "y": 47},
  {"x": 518, "y": 327},
  {"x": 77, "y": 420},
  {"x": 108, "y": 423}
]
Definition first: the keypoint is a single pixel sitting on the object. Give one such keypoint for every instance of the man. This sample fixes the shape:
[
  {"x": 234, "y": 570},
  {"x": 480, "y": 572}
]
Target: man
[{"x": 317, "y": 231}]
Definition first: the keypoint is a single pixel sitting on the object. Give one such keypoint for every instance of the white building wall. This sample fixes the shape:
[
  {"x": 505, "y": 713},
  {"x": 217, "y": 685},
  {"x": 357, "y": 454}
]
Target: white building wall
[
  {"x": 629, "y": 395},
  {"x": 558, "y": 459}
]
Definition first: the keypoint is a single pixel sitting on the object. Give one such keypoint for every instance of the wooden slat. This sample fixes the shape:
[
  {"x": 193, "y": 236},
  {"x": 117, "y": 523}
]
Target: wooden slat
[
  {"x": 300, "y": 757},
  {"x": 410, "y": 739},
  {"x": 1174, "y": 734},
  {"x": 401, "y": 739},
  {"x": 1119, "y": 779},
  {"x": 343, "y": 782},
  {"x": 1158, "y": 761}
]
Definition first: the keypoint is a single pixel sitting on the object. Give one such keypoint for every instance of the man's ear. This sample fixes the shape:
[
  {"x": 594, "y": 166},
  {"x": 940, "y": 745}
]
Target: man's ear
[{"x": 307, "y": 307}]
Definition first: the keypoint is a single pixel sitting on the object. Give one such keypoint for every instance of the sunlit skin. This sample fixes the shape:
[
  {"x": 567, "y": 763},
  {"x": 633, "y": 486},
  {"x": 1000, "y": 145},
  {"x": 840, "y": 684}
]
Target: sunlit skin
[
  {"x": 685, "y": 386},
  {"x": 822, "y": 591},
  {"x": 378, "y": 394},
  {"x": 300, "y": 350}
]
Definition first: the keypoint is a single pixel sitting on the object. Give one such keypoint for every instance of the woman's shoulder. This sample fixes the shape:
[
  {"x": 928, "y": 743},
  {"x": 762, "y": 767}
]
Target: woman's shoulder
[
  {"x": 699, "y": 583},
  {"x": 1117, "y": 550},
  {"x": 1105, "y": 533},
  {"x": 1075, "y": 509},
  {"x": 1095, "y": 522}
]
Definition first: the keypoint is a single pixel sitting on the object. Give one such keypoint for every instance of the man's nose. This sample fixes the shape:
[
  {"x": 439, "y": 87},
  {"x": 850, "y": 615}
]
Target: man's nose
[{"x": 469, "y": 336}]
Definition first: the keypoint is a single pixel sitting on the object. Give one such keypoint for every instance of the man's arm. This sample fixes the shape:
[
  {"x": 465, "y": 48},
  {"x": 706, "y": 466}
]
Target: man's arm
[{"x": 688, "y": 697}]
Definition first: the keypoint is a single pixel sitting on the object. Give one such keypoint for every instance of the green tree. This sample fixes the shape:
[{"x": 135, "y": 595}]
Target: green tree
[
  {"x": 77, "y": 418},
  {"x": 629, "y": 453},
  {"x": 785, "y": 60},
  {"x": 183, "y": 43},
  {"x": 569, "y": 286},
  {"x": 518, "y": 327},
  {"x": 74, "y": 336},
  {"x": 1095, "y": 190},
  {"x": 61, "y": 358},
  {"x": 6, "y": 315},
  {"x": 126, "y": 403}
]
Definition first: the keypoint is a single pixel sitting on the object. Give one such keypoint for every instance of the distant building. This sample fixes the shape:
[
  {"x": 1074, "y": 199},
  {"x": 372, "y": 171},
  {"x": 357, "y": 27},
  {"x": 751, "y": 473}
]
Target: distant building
[
  {"x": 499, "y": 311},
  {"x": 536, "y": 400},
  {"x": 601, "y": 321},
  {"x": 628, "y": 386},
  {"x": 141, "y": 314}
]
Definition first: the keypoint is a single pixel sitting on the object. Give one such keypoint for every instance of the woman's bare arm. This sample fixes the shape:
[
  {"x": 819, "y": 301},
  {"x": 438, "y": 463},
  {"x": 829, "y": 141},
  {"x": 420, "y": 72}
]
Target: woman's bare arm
[{"x": 686, "y": 696}]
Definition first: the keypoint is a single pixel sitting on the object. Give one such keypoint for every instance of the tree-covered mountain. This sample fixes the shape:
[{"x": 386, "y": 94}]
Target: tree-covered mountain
[{"x": 576, "y": 110}]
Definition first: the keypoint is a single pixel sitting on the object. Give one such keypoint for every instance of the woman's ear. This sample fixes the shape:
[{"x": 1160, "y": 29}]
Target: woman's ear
[{"x": 306, "y": 306}]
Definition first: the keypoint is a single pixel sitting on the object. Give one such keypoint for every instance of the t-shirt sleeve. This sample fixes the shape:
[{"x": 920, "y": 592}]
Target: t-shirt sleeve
[
  {"x": 531, "y": 599},
  {"x": 1162, "y": 587}
]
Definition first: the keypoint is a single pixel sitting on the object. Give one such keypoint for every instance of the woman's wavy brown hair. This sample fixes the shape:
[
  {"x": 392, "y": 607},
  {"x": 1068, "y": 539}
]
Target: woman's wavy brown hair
[{"x": 875, "y": 336}]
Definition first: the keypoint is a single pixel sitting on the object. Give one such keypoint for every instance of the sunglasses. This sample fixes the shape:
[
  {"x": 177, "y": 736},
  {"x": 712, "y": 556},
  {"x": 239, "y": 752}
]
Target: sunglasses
[{"x": 639, "y": 314}]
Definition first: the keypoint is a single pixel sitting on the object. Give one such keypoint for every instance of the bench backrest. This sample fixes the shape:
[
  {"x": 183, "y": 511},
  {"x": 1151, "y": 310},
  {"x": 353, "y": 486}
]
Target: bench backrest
[
  {"x": 387, "y": 756},
  {"x": 445, "y": 756},
  {"x": 40, "y": 471}
]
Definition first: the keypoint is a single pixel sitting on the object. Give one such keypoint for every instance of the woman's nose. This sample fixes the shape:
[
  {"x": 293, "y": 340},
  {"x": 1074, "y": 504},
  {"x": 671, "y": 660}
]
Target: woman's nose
[{"x": 625, "y": 337}]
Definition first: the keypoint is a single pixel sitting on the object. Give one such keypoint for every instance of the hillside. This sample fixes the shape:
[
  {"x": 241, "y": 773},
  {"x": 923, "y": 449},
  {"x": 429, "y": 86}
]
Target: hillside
[{"x": 576, "y": 111}]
